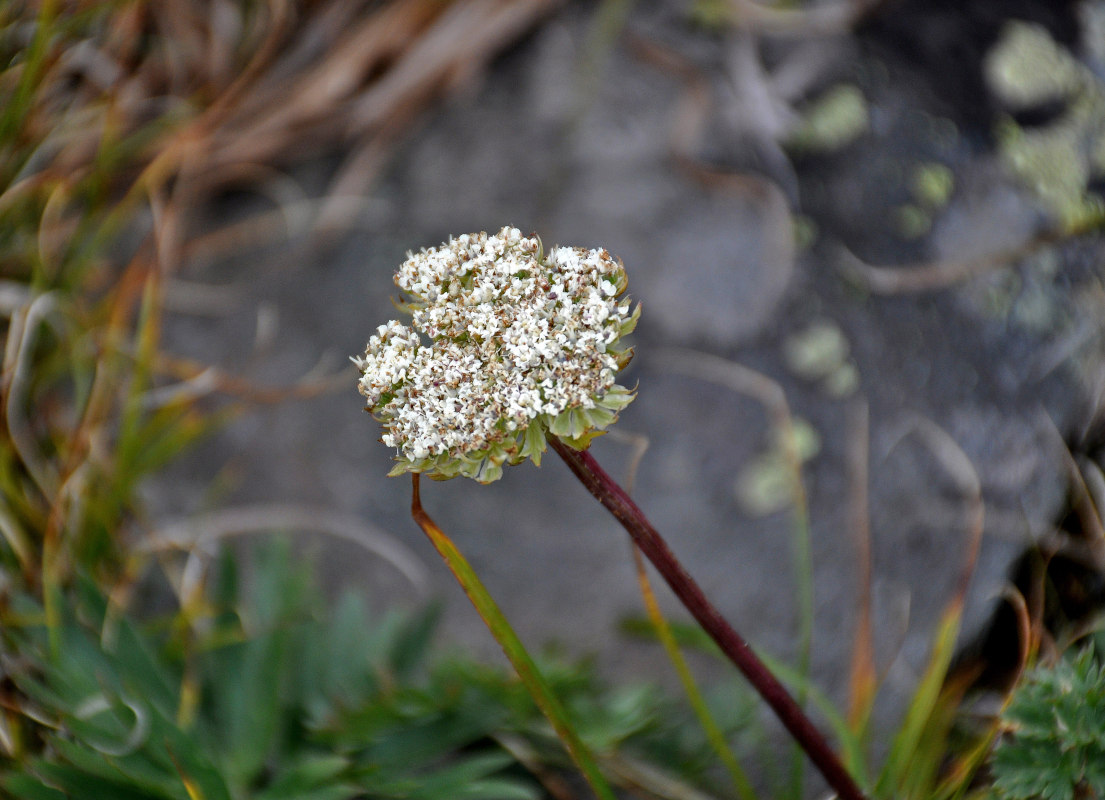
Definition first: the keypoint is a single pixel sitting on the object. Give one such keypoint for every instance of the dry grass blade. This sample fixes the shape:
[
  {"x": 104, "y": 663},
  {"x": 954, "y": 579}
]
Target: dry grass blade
[
  {"x": 912, "y": 766},
  {"x": 957, "y": 465},
  {"x": 770, "y": 394},
  {"x": 925, "y": 277},
  {"x": 374, "y": 73},
  {"x": 863, "y": 680},
  {"x": 244, "y": 90},
  {"x": 639, "y": 444},
  {"x": 199, "y": 533},
  {"x": 1085, "y": 503},
  {"x": 693, "y": 109},
  {"x": 447, "y": 56},
  {"x": 558, "y": 787},
  {"x": 934, "y": 276},
  {"x": 689, "y": 122},
  {"x": 753, "y": 384},
  {"x": 126, "y": 119},
  {"x": 16, "y": 397},
  {"x": 12, "y": 533},
  {"x": 734, "y": 376},
  {"x": 195, "y": 376},
  {"x": 280, "y": 114},
  {"x": 823, "y": 19},
  {"x": 1029, "y": 626},
  {"x": 651, "y": 781}
]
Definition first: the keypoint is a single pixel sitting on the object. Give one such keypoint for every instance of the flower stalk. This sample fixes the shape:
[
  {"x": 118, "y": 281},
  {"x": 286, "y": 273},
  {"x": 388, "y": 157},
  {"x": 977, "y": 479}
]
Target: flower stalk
[
  {"x": 523, "y": 353},
  {"x": 607, "y": 491},
  {"x": 713, "y": 733}
]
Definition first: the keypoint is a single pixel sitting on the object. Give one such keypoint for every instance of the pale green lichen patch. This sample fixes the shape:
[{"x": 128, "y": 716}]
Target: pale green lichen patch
[
  {"x": 820, "y": 353},
  {"x": 1028, "y": 68},
  {"x": 766, "y": 484},
  {"x": 836, "y": 119},
  {"x": 521, "y": 343},
  {"x": 913, "y": 221},
  {"x": 932, "y": 185},
  {"x": 1055, "y": 163}
]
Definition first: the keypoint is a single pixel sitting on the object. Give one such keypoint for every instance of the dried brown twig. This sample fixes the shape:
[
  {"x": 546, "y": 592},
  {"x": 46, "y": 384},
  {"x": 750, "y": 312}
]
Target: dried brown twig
[
  {"x": 246, "y": 89},
  {"x": 819, "y": 20}
]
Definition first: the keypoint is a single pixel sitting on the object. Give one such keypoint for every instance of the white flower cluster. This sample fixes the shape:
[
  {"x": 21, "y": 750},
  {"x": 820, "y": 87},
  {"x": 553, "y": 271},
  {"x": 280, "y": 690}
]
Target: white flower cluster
[{"x": 521, "y": 343}]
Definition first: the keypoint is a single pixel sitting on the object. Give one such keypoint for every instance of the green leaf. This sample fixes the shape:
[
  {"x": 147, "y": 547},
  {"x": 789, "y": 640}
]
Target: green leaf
[
  {"x": 143, "y": 777},
  {"x": 314, "y": 776},
  {"x": 251, "y": 703},
  {"x": 79, "y": 783},
  {"x": 471, "y": 779},
  {"x": 144, "y": 674},
  {"x": 413, "y": 641},
  {"x": 25, "y": 787},
  {"x": 561, "y": 425},
  {"x": 343, "y": 653},
  {"x": 1057, "y": 742},
  {"x": 290, "y": 706}
]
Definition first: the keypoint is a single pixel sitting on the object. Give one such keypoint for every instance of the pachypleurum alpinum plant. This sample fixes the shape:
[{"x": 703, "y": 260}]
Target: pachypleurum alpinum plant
[
  {"x": 513, "y": 350},
  {"x": 118, "y": 120},
  {"x": 523, "y": 354}
]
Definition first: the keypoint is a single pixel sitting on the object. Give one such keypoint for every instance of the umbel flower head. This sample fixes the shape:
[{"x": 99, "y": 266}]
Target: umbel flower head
[{"x": 521, "y": 343}]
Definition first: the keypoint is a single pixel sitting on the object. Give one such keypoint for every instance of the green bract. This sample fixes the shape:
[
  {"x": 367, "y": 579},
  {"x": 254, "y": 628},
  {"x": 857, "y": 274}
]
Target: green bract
[{"x": 522, "y": 343}]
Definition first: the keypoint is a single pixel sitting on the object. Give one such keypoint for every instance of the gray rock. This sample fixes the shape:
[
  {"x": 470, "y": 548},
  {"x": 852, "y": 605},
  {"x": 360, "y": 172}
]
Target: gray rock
[{"x": 716, "y": 270}]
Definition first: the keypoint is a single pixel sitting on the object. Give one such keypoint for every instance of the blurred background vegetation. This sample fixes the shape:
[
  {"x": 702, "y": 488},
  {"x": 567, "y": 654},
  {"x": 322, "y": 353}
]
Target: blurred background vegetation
[
  {"x": 136, "y": 665},
  {"x": 142, "y": 662}
]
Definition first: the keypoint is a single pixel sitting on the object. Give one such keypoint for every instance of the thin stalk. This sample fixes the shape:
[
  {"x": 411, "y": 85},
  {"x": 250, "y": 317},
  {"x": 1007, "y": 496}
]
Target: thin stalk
[
  {"x": 803, "y": 569},
  {"x": 770, "y": 395},
  {"x": 606, "y": 490},
  {"x": 18, "y": 110},
  {"x": 512, "y": 646},
  {"x": 698, "y": 703}
]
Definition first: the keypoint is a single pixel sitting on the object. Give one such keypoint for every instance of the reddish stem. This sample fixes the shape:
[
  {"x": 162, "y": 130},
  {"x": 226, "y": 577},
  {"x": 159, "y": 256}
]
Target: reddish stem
[{"x": 617, "y": 502}]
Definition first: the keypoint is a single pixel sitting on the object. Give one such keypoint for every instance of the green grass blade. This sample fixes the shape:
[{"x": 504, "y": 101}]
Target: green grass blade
[
  {"x": 803, "y": 572},
  {"x": 713, "y": 733},
  {"x": 512, "y": 647},
  {"x": 15, "y": 115},
  {"x": 902, "y": 768},
  {"x": 770, "y": 395},
  {"x": 917, "y": 748},
  {"x": 850, "y": 746}
]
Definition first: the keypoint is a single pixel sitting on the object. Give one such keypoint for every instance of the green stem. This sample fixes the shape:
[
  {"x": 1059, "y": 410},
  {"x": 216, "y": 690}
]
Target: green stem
[
  {"x": 34, "y": 58},
  {"x": 512, "y": 646},
  {"x": 698, "y": 703},
  {"x": 803, "y": 569},
  {"x": 606, "y": 490}
]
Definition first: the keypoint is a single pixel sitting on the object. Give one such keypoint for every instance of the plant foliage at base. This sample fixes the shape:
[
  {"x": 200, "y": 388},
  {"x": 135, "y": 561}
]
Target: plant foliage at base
[
  {"x": 1055, "y": 749},
  {"x": 259, "y": 697}
]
